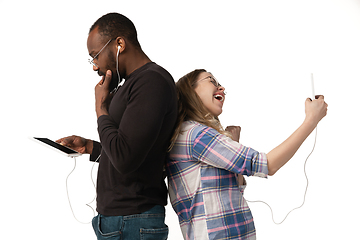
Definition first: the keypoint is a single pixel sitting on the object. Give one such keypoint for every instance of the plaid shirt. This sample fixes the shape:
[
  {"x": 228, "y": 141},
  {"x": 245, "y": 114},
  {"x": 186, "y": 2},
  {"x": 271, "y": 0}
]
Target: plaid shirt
[{"x": 202, "y": 172}]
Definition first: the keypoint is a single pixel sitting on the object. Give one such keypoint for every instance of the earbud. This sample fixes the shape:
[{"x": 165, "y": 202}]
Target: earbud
[{"x": 118, "y": 51}]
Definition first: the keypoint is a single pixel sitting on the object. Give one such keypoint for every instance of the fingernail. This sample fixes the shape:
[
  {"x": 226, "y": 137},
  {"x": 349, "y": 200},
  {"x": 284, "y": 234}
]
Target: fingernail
[{"x": 108, "y": 72}]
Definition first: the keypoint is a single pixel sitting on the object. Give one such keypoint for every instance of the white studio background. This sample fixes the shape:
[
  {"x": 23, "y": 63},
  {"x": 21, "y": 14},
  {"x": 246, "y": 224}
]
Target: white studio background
[{"x": 262, "y": 51}]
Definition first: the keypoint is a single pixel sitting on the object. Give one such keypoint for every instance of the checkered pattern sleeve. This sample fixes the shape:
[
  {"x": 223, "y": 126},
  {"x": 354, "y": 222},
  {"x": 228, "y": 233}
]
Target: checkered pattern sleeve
[{"x": 220, "y": 151}]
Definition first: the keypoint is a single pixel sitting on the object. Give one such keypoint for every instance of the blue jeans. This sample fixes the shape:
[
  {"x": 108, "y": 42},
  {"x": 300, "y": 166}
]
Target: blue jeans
[{"x": 148, "y": 225}]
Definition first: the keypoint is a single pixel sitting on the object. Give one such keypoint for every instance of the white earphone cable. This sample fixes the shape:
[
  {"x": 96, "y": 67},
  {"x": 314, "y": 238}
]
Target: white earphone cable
[
  {"x": 120, "y": 82},
  {"x": 67, "y": 191},
  {"x": 307, "y": 184}
]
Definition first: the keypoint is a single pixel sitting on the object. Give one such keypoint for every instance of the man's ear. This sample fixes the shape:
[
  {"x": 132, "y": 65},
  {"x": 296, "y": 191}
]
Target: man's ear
[{"x": 120, "y": 42}]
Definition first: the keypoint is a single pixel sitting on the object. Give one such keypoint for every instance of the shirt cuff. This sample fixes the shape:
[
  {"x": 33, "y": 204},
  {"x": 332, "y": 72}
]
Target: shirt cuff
[
  {"x": 260, "y": 166},
  {"x": 95, "y": 152}
]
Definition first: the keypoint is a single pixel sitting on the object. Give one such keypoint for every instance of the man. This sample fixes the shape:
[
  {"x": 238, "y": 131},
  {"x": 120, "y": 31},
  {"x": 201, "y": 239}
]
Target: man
[{"x": 135, "y": 123}]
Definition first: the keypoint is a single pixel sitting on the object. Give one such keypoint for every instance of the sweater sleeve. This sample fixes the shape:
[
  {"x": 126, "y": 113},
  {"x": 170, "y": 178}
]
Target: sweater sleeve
[
  {"x": 95, "y": 152},
  {"x": 128, "y": 144}
]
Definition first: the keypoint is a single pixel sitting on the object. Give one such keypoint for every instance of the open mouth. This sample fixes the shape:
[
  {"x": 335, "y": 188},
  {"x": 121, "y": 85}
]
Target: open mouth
[{"x": 219, "y": 97}]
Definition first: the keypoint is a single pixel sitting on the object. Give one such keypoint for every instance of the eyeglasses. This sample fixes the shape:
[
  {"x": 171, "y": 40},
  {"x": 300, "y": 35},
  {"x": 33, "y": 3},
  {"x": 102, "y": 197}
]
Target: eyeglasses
[
  {"x": 212, "y": 80},
  {"x": 91, "y": 61}
]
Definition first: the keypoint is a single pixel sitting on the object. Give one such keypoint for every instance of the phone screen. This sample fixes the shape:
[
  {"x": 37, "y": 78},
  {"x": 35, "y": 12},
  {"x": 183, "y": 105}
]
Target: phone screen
[{"x": 57, "y": 145}]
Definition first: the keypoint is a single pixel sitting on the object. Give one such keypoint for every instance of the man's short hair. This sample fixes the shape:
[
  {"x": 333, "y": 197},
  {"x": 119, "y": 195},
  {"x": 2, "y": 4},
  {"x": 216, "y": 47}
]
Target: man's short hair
[{"x": 113, "y": 25}]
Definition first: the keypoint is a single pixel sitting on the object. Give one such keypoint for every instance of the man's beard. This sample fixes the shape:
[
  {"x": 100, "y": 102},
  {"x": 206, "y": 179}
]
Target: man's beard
[{"x": 114, "y": 80}]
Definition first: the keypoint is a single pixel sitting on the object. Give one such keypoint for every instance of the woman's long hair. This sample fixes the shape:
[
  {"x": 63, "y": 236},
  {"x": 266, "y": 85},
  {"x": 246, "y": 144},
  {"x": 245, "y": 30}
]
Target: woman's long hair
[{"x": 190, "y": 106}]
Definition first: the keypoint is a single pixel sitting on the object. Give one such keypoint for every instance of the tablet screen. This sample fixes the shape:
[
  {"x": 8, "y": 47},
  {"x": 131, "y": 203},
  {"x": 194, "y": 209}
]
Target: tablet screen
[{"x": 57, "y": 145}]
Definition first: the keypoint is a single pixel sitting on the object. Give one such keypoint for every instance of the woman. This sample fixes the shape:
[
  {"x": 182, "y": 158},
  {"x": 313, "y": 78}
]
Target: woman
[{"x": 206, "y": 163}]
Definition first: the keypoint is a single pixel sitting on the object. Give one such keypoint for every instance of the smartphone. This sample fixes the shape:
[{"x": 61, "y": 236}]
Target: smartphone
[{"x": 57, "y": 147}]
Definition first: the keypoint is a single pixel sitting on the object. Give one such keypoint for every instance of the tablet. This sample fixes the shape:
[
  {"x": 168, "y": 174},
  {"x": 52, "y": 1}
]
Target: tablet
[{"x": 57, "y": 147}]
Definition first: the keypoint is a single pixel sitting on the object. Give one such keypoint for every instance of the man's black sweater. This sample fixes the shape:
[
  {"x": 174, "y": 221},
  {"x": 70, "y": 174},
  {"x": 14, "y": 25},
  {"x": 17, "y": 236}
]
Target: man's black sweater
[{"x": 134, "y": 138}]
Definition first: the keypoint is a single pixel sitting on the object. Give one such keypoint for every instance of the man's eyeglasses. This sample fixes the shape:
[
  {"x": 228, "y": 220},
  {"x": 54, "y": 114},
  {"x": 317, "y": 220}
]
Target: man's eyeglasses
[{"x": 91, "y": 61}]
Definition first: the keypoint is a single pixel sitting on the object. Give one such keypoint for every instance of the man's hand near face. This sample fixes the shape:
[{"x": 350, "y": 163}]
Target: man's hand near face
[{"x": 102, "y": 95}]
